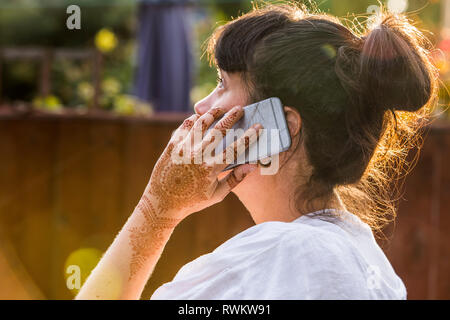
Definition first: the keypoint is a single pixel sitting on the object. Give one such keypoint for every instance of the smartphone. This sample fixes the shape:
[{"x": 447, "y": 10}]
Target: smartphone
[{"x": 274, "y": 139}]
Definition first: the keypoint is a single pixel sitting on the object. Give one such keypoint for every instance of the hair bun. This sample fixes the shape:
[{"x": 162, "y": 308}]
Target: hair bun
[{"x": 395, "y": 70}]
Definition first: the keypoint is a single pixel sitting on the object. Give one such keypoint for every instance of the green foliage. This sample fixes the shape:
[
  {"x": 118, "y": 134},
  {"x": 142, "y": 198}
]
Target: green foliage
[
  {"x": 43, "y": 24},
  {"x": 40, "y": 22}
]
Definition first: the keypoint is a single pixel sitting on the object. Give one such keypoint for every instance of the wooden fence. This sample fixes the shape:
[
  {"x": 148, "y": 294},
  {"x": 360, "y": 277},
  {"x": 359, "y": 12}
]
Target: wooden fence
[{"x": 70, "y": 182}]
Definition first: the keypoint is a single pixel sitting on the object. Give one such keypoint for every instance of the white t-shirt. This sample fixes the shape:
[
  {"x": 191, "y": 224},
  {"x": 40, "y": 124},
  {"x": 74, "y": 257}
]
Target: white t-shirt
[{"x": 312, "y": 257}]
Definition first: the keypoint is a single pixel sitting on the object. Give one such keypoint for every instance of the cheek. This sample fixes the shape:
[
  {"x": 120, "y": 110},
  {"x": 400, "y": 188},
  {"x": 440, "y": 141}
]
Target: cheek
[
  {"x": 231, "y": 97},
  {"x": 239, "y": 98},
  {"x": 226, "y": 98},
  {"x": 229, "y": 100}
]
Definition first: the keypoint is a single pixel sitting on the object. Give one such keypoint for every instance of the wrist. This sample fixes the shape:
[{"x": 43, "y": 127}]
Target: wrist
[{"x": 156, "y": 213}]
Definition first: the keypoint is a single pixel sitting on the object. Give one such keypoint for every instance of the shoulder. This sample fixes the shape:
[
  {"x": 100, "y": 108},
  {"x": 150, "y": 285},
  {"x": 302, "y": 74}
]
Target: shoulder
[
  {"x": 298, "y": 240},
  {"x": 299, "y": 261},
  {"x": 315, "y": 248},
  {"x": 317, "y": 243},
  {"x": 304, "y": 259}
]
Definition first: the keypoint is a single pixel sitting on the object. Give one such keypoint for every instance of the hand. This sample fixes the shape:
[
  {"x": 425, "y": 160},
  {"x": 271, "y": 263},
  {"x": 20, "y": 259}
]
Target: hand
[{"x": 184, "y": 187}]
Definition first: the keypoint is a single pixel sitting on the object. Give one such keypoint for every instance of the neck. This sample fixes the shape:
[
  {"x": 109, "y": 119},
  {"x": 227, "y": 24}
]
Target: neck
[{"x": 274, "y": 197}]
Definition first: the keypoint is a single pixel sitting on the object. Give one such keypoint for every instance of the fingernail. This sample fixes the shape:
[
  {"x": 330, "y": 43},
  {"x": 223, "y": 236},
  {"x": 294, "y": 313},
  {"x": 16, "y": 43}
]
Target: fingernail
[{"x": 258, "y": 126}]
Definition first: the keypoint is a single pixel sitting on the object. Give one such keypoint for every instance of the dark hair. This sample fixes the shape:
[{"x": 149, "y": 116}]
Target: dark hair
[{"x": 361, "y": 95}]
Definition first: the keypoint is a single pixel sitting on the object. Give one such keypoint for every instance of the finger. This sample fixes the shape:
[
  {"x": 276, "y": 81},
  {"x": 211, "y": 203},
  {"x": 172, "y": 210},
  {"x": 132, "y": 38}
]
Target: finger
[
  {"x": 230, "y": 118},
  {"x": 207, "y": 119},
  {"x": 195, "y": 136},
  {"x": 183, "y": 130},
  {"x": 232, "y": 179},
  {"x": 234, "y": 150},
  {"x": 189, "y": 122},
  {"x": 216, "y": 134},
  {"x": 209, "y": 144}
]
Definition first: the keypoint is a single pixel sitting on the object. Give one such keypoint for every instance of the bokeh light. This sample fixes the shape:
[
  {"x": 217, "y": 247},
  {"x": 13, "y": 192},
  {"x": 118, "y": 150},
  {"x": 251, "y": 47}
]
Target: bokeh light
[
  {"x": 329, "y": 51},
  {"x": 397, "y": 6},
  {"x": 105, "y": 40},
  {"x": 85, "y": 259}
]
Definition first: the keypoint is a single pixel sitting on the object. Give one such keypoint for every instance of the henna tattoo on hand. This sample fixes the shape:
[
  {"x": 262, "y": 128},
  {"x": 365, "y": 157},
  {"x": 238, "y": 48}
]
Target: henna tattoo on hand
[
  {"x": 174, "y": 190},
  {"x": 146, "y": 239},
  {"x": 179, "y": 186},
  {"x": 172, "y": 187}
]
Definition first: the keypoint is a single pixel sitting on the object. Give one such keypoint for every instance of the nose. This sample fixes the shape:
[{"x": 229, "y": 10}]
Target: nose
[{"x": 202, "y": 106}]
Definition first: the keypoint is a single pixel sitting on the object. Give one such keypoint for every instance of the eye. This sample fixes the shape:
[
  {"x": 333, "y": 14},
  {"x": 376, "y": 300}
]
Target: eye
[{"x": 220, "y": 82}]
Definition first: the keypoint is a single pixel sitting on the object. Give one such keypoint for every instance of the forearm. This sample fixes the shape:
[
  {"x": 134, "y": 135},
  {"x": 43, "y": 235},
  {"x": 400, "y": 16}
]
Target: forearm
[{"x": 128, "y": 263}]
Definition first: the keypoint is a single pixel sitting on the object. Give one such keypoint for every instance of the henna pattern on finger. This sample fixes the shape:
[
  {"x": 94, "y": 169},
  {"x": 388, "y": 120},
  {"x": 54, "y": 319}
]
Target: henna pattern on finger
[
  {"x": 232, "y": 152},
  {"x": 189, "y": 122},
  {"x": 247, "y": 142},
  {"x": 226, "y": 123},
  {"x": 215, "y": 112},
  {"x": 205, "y": 126}
]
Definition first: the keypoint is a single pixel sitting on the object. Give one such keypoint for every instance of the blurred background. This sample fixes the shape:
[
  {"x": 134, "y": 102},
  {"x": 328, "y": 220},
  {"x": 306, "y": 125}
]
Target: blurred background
[{"x": 89, "y": 96}]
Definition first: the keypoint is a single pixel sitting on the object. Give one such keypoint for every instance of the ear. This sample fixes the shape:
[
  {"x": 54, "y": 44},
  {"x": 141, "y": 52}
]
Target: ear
[{"x": 294, "y": 121}]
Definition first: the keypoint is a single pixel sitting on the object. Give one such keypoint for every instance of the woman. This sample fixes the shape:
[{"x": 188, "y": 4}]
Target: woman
[{"x": 353, "y": 104}]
